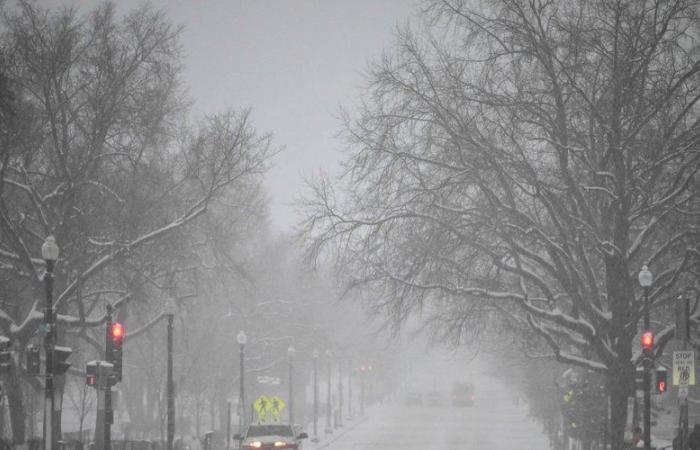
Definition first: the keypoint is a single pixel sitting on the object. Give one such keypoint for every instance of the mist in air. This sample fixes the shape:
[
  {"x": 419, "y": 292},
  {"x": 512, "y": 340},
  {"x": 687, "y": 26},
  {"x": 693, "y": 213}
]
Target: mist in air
[{"x": 303, "y": 224}]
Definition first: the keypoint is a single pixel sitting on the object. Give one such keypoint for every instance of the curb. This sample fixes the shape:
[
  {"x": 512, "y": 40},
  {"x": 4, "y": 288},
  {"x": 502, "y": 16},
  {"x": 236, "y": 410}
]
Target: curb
[{"x": 346, "y": 429}]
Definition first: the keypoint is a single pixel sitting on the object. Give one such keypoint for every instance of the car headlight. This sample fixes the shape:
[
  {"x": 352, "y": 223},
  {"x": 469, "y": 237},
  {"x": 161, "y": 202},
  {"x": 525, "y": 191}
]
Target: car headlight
[
  {"x": 280, "y": 444},
  {"x": 255, "y": 444}
]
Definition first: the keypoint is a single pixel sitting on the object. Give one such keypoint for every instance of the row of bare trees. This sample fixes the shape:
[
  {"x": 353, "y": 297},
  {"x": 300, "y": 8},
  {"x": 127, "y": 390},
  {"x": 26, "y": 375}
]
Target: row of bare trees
[
  {"x": 527, "y": 157},
  {"x": 98, "y": 150}
]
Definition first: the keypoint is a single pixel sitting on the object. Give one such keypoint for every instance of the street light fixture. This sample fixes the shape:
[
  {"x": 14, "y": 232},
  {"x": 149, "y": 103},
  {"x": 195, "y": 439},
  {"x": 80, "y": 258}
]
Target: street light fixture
[
  {"x": 291, "y": 351},
  {"x": 242, "y": 339},
  {"x": 49, "y": 252},
  {"x": 646, "y": 278},
  {"x": 170, "y": 309},
  {"x": 315, "y": 356}
]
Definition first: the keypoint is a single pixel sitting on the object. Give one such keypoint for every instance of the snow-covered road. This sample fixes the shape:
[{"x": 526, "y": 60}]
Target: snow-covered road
[{"x": 494, "y": 423}]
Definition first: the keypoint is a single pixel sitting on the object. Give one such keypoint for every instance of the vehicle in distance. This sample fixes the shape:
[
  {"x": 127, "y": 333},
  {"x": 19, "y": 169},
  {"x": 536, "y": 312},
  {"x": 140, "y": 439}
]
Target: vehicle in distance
[
  {"x": 463, "y": 394},
  {"x": 270, "y": 437},
  {"x": 414, "y": 398},
  {"x": 433, "y": 398}
]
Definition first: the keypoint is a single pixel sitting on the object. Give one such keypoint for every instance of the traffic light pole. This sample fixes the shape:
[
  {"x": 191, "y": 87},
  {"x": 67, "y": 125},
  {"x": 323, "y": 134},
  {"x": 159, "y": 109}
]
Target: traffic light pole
[
  {"x": 648, "y": 363},
  {"x": 684, "y": 317},
  {"x": 315, "y": 436},
  {"x": 108, "y": 414},
  {"x": 48, "y": 348}
]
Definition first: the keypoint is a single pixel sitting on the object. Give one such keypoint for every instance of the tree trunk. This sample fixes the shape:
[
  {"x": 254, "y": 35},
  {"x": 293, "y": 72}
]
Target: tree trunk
[
  {"x": 618, "y": 390},
  {"x": 16, "y": 404}
]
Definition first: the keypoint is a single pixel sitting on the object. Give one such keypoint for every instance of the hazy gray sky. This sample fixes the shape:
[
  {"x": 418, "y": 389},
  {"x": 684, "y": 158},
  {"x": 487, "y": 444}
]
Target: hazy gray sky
[{"x": 293, "y": 61}]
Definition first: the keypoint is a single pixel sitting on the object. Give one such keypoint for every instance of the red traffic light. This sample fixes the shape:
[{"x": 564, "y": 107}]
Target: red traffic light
[
  {"x": 91, "y": 380},
  {"x": 117, "y": 331},
  {"x": 647, "y": 340},
  {"x": 661, "y": 387}
]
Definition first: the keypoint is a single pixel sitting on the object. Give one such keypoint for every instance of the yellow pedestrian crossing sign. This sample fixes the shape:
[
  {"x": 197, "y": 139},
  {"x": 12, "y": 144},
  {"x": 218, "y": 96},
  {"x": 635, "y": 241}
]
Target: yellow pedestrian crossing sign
[
  {"x": 269, "y": 408},
  {"x": 262, "y": 406},
  {"x": 277, "y": 405}
]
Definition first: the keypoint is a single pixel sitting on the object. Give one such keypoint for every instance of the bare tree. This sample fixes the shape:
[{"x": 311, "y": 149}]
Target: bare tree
[
  {"x": 103, "y": 160},
  {"x": 529, "y": 153}
]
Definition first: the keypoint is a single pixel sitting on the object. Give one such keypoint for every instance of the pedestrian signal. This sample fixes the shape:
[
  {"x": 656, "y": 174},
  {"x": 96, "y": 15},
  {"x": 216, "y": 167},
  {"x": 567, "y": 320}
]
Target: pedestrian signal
[{"x": 661, "y": 380}]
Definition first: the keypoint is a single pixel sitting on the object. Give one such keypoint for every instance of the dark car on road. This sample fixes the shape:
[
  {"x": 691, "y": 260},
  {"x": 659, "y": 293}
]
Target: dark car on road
[
  {"x": 271, "y": 437},
  {"x": 463, "y": 394}
]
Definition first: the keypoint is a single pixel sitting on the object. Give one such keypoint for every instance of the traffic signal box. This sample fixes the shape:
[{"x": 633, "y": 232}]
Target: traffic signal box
[
  {"x": 5, "y": 355},
  {"x": 60, "y": 356},
  {"x": 33, "y": 355},
  {"x": 114, "y": 354}
]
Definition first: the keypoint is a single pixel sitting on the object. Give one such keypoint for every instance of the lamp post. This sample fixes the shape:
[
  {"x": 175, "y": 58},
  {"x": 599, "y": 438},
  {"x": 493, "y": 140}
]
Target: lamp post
[
  {"x": 170, "y": 313},
  {"x": 242, "y": 339},
  {"x": 645, "y": 280},
  {"x": 349, "y": 388},
  {"x": 315, "y": 436},
  {"x": 340, "y": 392},
  {"x": 49, "y": 251},
  {"x": 329, "y": 428},
  {"x": 290, "y": 353}
]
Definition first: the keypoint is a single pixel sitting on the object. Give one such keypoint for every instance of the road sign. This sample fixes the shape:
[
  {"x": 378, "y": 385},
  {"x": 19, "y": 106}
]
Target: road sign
[
  {"x": 277, "y": 406},
  {"x": 262, "y": 406},
  {"x": 684, "y": 368}
]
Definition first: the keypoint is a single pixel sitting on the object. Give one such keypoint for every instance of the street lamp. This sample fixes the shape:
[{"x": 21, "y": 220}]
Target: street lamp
[
  {"x": 339, "y": 423},
  {"x": 315, "y": 436},
  {"x": 291, "y": 352},
  {"x": 328, "y": 429},
  {"x": 645, "y": 280},
  {"x": 170, "y": 309},
  {"x": 242, "y": 339},
  {"x": 49, "y": 251}
]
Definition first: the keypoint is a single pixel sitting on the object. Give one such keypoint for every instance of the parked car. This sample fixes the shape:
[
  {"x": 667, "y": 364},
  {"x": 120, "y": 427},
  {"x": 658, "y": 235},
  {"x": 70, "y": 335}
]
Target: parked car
[{"x": 271, "y": 437}]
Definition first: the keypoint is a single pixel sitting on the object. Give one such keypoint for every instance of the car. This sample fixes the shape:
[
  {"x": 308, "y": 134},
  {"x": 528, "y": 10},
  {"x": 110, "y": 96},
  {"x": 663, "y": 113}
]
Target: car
[
  {"x": 414, "y": 398},
  {"x": 271, "y": 437},
  {"x": 433, "y": 398},
  {"x": 463, "y": 394}
]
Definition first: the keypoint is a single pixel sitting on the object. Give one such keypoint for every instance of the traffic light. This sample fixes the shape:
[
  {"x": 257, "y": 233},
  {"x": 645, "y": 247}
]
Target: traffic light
[
  {"x": 661, "y": 382},
  {"x": 116, "y": 335},
  {"x": 647, "y": 341},
  {"x": 5, "y": 355},
  {"x": 60, "y": 356},
  {"x": 33, "y": 355}
]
